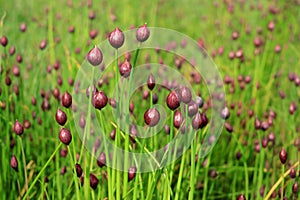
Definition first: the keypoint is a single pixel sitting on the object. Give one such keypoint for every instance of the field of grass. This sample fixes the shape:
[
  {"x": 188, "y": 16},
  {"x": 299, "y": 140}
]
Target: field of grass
[{"x": 43, "y": 49}]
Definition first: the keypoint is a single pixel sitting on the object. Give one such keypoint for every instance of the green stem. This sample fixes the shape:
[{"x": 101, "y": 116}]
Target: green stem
[
  {"x": 41, "y": 172},
  {"x": 109, "y": 182},
  {"x": 206, "y": 178},
  {"x": 24, "y": 163},
  {"x": 192, "y": 181},
  {"x": 261, "y": 165},
  {"x": 86, "y": 136},
  {"x": 246, "y": 180},
  {"x": 136, "y": 55},
  {"x": 73, "y": 159},
  {"x": 282, "y": 183},
  {"x": 178, "y": 186},
  {"x": 88, "y": 121},
  {"x": 115, "y": 173}
]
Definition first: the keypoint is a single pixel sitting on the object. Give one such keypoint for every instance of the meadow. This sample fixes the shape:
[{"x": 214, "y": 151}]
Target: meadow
[{"x": 93, "y": 95}]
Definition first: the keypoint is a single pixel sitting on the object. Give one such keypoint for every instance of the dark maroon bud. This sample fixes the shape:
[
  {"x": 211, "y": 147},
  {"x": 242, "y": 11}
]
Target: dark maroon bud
[
  {"x": 273, "y": 195},
  {"x": 92, "y": 15},
  {"x": 238, "y": 155},
  {"x": 12, "y": 50},
  {"x": 264, "y": 126},
  {"x": 61, "y": 117},
  {"x": 131, "y": 173},
  {"x": 142, "y": 33},
  {"x": 94, "y": 90},
  {"x": 152, "y": 117},
  {"x": 131, "y": 107},
  {"x": 77, "y": 50},
  {"x": 173, "y": 100},
  {"x": 43, "y": 93},
  {"x": 66, "y": 100},
  {"x": 228, "y": 127},
  {"x": 154, "y": 98},
  {"x": 82, "y": 121},
  {"x": 16, "y": 90},
  {"x": 262, "y": 191},
  {"x": 199, "y": 101},
  {"x": 64, "y": 152},
  {"x": 291, "y": 76},
  {"x": 100, "y": 83},
  {"x": 257, "y": 42},
  {"x": 281, "y": 193},
  {"x": 116, "y": 38},
  {"x": 46, "y": 179},
  {"x": 23, "y": 27},
  {"x": 27, "y": 124},
  {"x": 295, "y": 188},
  {"x": 257, "y": 124},
  {"x": 185, "y": 94},
  {"x": 133, "y": 132},
  {"x": 101, "y": 161},
  {"x": 240, "y": 78},
  {"x": 99, "y": 100},
  {"x": 241, "y": 197},
  {"x": 297, "y": 81},
  {"x": 196, "y": 121},
  {"x": 292, "y": 108},
  {"x": 178, "y": 119},
  {"x": 203, "y": 121},
  {"x": 93, "y": 181},
  {"x": 16, "y": 70},
  {"x": 192, "y": 108},
  {"x": 256, "y": 147},
  {"x": 231, "y": 55},
  {"x": 78, "y": 170},
  {"x": 93, "y": 34},
  {"x": 239, "y": 53},
  {"x": 39, "y": 120},
  {"x": 49, "y": 69},
  {"x": 235, "y": 35},
  {"x": 56, "y": 93},
  {"x": 71, "y": 29},
  {"x": 213, "y": 173},
  {"x": 113, "y": 134},
  {"x": 247, "y": 79},
  {"x": 14, "y": 163},
  {"x": 95, "y": 56},
  {"x": 96, "y": 145},
  {"x": 225, "y": 113},
  {"x": 178, "y": 63},
  {"x": 264, "y": 142},
  {"x": 127, "y": 56},
  {"x": 4, "y": 40},
  {"x": 281, "y": 94},
  {"x": 113, "y": 17},
  {"x": 272, "y": 114},
  {"x": 71, "y": 81},
  {"x": 283, "y": 156},
  {"x": 277, "y": 48},
  {"x": 151, "y": 82},
  {"x": 43, "y": 44},
  {"x": 45, "y": 105},
  {"x": 293, "y": 173},
  {"x": 297, "y": 142},
  {"x": 18, "y": 128},
  {"x": 167, "y": 129},
  {"x": 271, "y": 26},
  {"x": 125, "y": 69},
  {"x": 7, "y": 80},
  {"x": 65, "y": 136}
]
